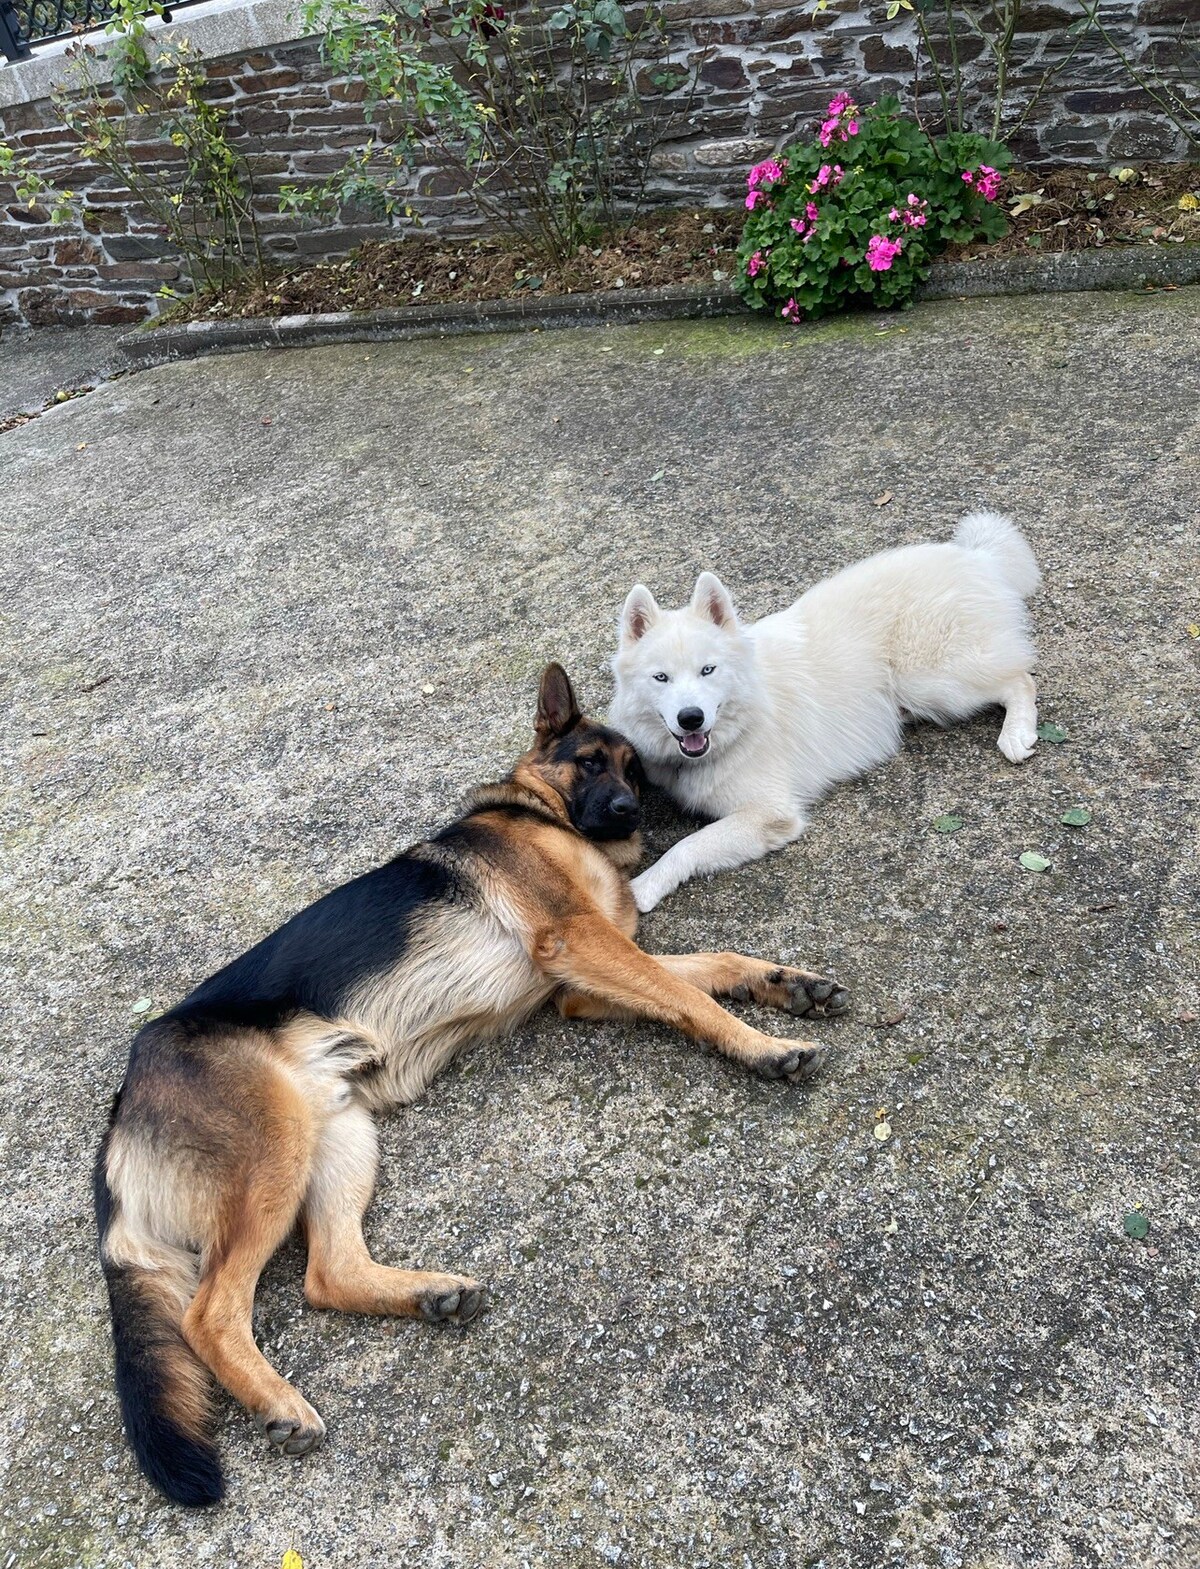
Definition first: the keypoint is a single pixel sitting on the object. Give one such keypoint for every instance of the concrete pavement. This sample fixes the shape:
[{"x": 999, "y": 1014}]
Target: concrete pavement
[{"x": 265, "y": 618}]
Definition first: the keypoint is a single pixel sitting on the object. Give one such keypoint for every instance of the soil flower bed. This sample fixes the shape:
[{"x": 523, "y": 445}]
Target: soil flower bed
[{"x": 1051, "y": 211}]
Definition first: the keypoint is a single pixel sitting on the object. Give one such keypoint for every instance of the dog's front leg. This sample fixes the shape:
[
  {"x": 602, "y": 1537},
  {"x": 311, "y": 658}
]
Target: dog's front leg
[
  {"x": 587, "y": 953},
  {"x": 731, "y": 841}
]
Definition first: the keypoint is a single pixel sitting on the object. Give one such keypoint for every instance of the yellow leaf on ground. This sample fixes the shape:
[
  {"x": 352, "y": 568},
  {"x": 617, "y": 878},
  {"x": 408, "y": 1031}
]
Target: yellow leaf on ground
[
  {"x": 1025, "y": 201},
  {"x": 291, "y": 1560}
]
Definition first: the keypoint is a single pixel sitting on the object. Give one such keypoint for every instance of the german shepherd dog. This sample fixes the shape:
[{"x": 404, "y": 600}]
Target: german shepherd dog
[{"x": 249, "y": 1105}]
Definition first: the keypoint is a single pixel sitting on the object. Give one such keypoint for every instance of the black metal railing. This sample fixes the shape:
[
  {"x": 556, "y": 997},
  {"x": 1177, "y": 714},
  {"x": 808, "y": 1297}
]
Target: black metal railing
[{"x": 24, "y": 23}]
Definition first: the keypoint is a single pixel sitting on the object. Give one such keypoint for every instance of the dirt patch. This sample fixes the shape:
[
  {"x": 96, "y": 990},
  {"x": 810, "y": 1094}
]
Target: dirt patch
[
  {"x": 1087, "y": 209},
  {"x": 661, "y": 248},
  {"x": 1069, "y": 210}
]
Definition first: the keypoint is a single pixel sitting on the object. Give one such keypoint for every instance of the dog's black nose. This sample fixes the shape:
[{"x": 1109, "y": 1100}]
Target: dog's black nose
[
  {"x": 624, "y": 805},
  {"x": 690, "y": 718}
]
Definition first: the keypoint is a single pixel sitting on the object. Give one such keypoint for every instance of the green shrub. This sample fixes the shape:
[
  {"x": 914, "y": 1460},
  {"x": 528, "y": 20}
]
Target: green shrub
[
  {"x": 548, "y": 116},
  {"x": 860, "y": 210}
]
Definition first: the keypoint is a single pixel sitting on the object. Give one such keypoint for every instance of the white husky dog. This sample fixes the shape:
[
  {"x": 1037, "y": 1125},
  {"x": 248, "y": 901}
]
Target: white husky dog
[{"x": 751, "y": 724}]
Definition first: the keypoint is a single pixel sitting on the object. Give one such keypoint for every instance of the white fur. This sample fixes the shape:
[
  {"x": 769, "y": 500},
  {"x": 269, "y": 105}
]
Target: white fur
[{"x": 819, "y": 692}]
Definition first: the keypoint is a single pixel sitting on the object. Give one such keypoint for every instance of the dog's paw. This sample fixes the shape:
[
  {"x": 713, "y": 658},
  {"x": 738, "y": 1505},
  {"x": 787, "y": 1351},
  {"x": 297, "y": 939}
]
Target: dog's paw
[
  {"x": 812, "y": 996},
  {"x": 645, "y": 894},
  {"x": 800, "y": 1063},
  {"x": 1017, "y": 742},
  {"x": 296, "y": 1431},
  {"x": 795, "y": 991},
  {"x": 457, "y": 1304}
]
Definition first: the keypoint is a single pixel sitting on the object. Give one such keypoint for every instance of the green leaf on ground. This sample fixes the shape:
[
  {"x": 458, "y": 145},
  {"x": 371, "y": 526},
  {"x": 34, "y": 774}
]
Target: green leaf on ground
[
  {"x": 1053, "y": 733},
  {"x": 947, "y": 823},
  {"x": 1077, "y": 817},
  {"x": 1136, "y": 1225},
  {"x": 1033, "y": 862},
  {"x": 142, "y": 1005}
]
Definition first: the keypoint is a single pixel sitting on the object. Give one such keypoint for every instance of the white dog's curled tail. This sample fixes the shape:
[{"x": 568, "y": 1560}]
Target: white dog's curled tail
[{"x": 997, "y": 537}]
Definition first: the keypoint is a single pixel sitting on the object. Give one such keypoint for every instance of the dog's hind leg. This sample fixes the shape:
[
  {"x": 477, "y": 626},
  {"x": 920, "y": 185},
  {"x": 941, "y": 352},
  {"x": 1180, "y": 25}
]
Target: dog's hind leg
[
  {"x": 261, "y": 1211},
  {"x": 589, "y": 955},
  {"x": 1018, "y": 735},
  {"x": 341, "y": 1273}
]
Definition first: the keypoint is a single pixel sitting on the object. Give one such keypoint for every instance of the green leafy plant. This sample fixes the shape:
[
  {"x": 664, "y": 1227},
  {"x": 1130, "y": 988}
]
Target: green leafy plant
[
  {"x": 548, "y": 121},
  {"x": 31, "y": 188},
  {"x": 130, "y": 51},
  {"x": 200, "y": 196},
  {"x": 859, "y": 211}
]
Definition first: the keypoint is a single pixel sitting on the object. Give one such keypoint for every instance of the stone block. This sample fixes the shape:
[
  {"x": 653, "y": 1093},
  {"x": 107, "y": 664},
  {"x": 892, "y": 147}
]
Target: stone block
[
  {"x": 42, "y": 307},
  {"x": 68, "y": 253},
  {"x": 268, "y": 81},
  {"x": 1146, "y": 138},
  {"x": 724, "y": 71},
  {"x": 256, "y": 121}
]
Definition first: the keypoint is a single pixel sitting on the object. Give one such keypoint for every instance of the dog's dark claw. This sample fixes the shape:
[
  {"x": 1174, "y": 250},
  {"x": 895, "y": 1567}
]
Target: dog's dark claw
[
  {"x": 795, "y": 1066},
  {"x": 471, "y": 1302},
  {"x": 444, "y": 1306},
  {"x": 293, "y": 1437},
  {"x": 455, "y": 1307},
  {"x": 810, "y": 995}
]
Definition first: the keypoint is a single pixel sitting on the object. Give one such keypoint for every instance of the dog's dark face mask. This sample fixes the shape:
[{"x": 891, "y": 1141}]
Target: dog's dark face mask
[{"x": 595, "y": 770}]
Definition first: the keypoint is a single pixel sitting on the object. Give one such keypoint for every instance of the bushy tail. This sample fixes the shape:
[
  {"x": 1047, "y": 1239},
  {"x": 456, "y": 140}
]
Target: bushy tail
[
  {"x": 161, "y": 1384},
  {"x": 995, "y": 536}
]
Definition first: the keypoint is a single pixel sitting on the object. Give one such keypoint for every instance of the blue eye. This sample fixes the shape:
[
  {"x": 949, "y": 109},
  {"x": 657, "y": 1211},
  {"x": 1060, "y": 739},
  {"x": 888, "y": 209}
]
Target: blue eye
[
  {"x": 708, "y": 670},
  {"x": 661, "y": 676}
]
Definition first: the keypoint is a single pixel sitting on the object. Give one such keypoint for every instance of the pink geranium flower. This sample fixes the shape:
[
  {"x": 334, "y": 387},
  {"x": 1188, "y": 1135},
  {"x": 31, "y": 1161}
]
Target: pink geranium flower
[
  {"x": 753, "y": 200},
  {"x": 827, "y": 174},
  {"x": 882, "y": 252},
  {"x": 839, "y": 121},
  {"x": 755, "y": 265},
  {"x": 791, "y": 311},
  {"x": 805, "y": 226},
  {"x": 986, "y": 182},
  {"x": 768, "y": 172},
  {"x": 915, "y": 212}
]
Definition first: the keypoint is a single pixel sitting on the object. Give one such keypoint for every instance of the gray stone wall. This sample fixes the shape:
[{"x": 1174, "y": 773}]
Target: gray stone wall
[{"x": 767, "y": 72}]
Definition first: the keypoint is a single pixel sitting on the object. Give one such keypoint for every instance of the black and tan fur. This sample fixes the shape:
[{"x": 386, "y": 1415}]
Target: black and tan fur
[{"x": 250, "y": 1106}]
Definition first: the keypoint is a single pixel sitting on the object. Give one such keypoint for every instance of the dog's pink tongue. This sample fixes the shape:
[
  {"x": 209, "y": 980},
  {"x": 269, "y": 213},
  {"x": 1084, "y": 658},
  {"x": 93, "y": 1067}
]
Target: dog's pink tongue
[{"x": 694, "y": 742}]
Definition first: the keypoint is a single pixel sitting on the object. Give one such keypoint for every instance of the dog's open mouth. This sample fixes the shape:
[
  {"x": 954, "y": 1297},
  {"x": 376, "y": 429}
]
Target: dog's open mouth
[{"x": 693, "y": 743}]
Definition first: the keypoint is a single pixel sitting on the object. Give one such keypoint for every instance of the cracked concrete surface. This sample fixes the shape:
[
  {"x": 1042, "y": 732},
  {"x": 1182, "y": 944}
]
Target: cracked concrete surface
[{"x": 265, "y": 618}]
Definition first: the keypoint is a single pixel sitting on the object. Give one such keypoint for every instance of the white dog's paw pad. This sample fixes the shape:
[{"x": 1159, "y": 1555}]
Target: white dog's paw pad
[
  {"x": 1017, "y": 744},
  {"x": 644, "y": 895}
]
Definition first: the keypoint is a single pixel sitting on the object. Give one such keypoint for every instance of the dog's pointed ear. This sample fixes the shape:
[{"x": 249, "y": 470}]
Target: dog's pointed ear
[
  {"x": 638, "y": 614},
  {"x": 711, "y": 598},
  {"x": 557, "y": 710}
]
